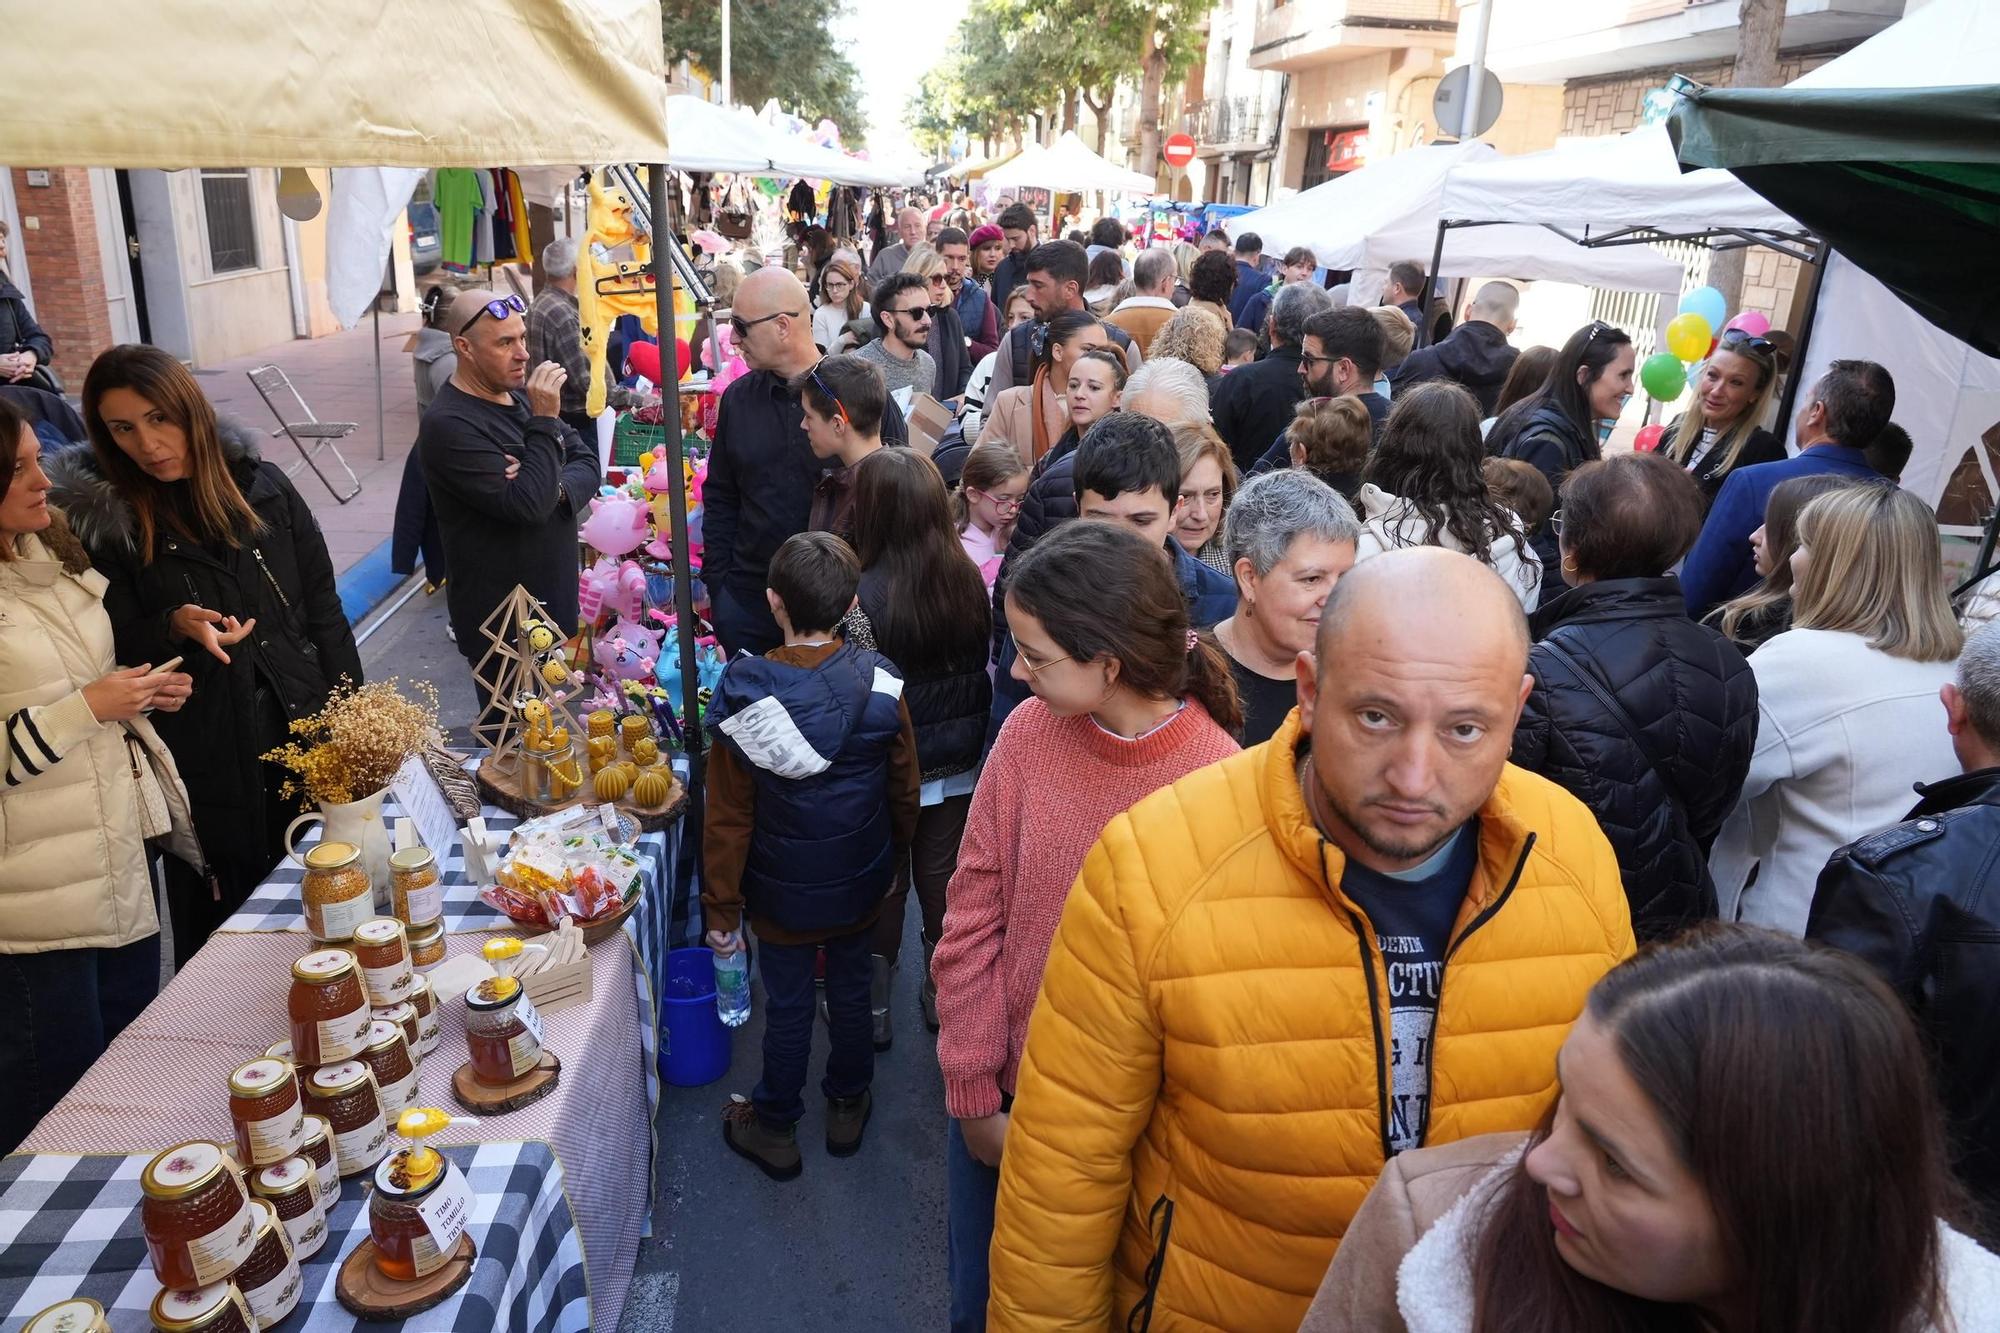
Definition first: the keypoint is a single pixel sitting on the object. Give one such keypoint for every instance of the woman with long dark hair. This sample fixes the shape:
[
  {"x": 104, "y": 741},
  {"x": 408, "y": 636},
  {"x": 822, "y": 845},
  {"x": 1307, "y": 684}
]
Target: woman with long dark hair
[
  {"x": 1722, "y": 428},
  {"x": 1035, "y": 417},
  {"x": 1746, "y": 1142},
  {"x": 214, "y": 558},
  {"x": 1528, "y": 373},
  {"x": 1560, "y": 426},
  {"x": 922, "y": 605},
  {"x": 1425, "y": 485},
  {"x": 1127, "y": 699}
]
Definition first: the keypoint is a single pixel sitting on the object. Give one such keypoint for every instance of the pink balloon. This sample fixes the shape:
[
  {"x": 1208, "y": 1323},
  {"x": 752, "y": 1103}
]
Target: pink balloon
[
  {"x": 1648, "y": 438},
  {"x": 1753, "y": 322}
]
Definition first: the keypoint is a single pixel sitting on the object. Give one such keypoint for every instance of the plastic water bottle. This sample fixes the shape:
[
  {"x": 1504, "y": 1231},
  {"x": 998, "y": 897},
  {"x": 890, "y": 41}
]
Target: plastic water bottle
[{"x": 732, "y": 986}]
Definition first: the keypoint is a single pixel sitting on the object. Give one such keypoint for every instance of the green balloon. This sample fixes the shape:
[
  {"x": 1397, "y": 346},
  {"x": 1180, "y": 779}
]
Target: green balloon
[{"x": 1663, "y": 376}]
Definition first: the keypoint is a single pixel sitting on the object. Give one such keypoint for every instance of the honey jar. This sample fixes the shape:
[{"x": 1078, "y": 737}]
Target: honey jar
[
  {"x": 335, "y": 892},
  {"x": 416, "y": 891},
  {"x": 269, "y": 1278},
  {"x": 428, "y": 1032},
  {"x": 502, "y": 1030},
  {"x": 292, "y": 1188},
  {"x": 347, "y": 1096},
  {"x": 266, "y": 1106},
  {"x": 329, "y": 1009},
  {"x": 282, "y": 1050},
  {"x": 384, "y": 954},
  {"x": 388, "y": 1058},
  {"x": 317, "y": 1148},
  {"x": 216, "y": 1308},
  {"x": 79, "y": 1314},
  {"x": 195, "y": 1215},
  {"x": 418, "y": 1213},
  {"x": 427, "y": 946},
  {"x": 404, "y": 1016}
]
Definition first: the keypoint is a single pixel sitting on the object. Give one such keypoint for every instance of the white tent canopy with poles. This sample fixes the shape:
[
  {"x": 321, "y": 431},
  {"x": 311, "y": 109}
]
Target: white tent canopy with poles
[{"x": 1069, "y": 165}]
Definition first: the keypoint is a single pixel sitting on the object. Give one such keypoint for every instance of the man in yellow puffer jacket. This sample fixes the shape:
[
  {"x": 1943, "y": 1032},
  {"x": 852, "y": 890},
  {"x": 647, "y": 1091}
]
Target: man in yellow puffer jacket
[{"x": 1367, "y": 934}]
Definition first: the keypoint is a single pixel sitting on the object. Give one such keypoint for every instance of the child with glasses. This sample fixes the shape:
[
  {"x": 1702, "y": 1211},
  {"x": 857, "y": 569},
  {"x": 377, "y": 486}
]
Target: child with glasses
[{"x": 987, "y": 503}]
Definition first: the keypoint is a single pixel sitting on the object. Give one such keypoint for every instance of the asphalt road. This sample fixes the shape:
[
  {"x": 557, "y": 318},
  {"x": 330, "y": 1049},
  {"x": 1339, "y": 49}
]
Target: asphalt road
[{"x": 855, "y": 1243}]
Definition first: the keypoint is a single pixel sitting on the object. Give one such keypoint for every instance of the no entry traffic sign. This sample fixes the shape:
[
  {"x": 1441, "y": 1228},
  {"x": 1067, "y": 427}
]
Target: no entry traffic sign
[{"x": 1178, "y": 150}]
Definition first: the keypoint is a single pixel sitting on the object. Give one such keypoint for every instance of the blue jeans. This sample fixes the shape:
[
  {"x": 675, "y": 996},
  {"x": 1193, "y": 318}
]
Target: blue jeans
[
  {"x": 789, "y": 1001},
  {"x": 64, "y": 1006},
  {"x": 971, "y": 1189}
]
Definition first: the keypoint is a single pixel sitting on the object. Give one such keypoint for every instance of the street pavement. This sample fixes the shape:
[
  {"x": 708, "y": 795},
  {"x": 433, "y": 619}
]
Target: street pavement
[{"x": 855, "y": 1243}]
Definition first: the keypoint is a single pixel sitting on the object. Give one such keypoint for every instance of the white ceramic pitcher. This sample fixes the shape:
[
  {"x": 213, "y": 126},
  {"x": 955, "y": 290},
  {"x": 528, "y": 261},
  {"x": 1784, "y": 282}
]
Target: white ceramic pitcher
[{"x": 357, "y": 822}]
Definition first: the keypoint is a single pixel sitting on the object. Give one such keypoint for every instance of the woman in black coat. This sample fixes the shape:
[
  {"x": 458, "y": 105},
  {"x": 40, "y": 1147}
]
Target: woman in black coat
[
  {"x": 1644, "y": 716},
  {"x": 923, "y": 606},
  {"x": 1556, "y": 427},
  {"x": 1719, "y": 431},
  {"x": 212, "y": 557}
]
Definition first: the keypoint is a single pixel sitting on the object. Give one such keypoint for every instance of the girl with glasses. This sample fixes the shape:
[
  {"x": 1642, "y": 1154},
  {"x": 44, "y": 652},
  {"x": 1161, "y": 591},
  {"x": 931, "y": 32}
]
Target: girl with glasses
[
  {"x": 840, "y": 304},
  {"x": 1722, "y": 428},
  {"x": 987, "y": 503}
]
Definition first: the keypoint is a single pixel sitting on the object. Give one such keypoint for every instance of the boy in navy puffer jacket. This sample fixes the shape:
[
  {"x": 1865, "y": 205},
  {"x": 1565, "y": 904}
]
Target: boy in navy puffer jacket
[{"x": 813, "y": 787}]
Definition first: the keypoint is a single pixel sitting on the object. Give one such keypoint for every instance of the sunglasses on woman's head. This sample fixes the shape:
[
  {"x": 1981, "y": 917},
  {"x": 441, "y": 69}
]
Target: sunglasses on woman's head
[
  {"x": 1743, "y": 338},
  {"x": 499, "y": 308}
]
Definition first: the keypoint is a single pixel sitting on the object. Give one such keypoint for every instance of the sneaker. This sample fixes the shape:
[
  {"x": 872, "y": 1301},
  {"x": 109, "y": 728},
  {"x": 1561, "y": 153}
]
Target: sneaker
[
  {"x": 846, "y": 1118},
  {"x": 774, "y": 1150}
]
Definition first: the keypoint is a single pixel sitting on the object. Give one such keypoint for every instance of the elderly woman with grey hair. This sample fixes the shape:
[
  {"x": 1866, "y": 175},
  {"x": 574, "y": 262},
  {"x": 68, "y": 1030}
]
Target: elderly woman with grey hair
[{"x": 1290, "y": 537}]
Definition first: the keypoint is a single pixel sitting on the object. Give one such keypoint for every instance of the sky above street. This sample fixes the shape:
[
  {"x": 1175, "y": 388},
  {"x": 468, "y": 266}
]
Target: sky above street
[{"x": 892, "y": 43}]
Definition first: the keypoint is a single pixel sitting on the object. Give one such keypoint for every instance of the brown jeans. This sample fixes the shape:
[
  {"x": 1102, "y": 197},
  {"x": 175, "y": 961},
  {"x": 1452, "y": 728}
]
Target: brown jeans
[{"x": 932, "y": 858}]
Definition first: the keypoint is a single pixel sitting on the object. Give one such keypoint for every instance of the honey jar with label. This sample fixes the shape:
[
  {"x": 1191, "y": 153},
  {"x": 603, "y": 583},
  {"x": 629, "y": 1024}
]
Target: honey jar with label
[
  {"x": 416, "y": 891},
  {"x": 267, "y": 1108},
  {"x": 335, "y": 893},
  {"x": 292, "y": 1187},
  {"x": 427, "y": 946},
  {"x": 195, "y": 1216},
  {"x": 421, "y": 1203},
  {"x": 79, "y": 1314},
  {"x": 383, "y": 952},
  {"x": 269, "y": 1278},
  {"x": 328, "y": 1008},
  {"x": 347, "y": 1096},
  {"x": 404, "y": 1016},
  {"x": 388, "y": 1058},
  {"x": 317, "y": 1148},
  {"x": 428, "y": 1030},
  {"x": 503, "y": 1033},
  {"x": 216, "y": 1308}
]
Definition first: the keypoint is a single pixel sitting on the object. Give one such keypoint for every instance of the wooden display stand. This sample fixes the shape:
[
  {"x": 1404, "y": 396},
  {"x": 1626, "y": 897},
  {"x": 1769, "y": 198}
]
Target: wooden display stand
[
  {"x": 367, "y": 1294},
  {"x": 496, "y": 1098}
]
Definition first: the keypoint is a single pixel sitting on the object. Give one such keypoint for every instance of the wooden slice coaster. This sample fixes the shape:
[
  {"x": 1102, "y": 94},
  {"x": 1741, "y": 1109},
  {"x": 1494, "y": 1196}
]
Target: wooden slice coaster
[
  {"x": 366, "y": 1294},
  {"x": 495, "y": 1098}
]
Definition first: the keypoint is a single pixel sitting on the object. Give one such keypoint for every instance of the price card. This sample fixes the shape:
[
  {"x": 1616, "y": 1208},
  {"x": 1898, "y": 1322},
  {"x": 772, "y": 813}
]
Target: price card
[
  {"x": 448, "y": 1209},
  {"x": 418, "y": 797}
]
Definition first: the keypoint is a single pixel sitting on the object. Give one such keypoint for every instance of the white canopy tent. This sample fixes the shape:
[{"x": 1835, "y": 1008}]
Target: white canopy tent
[
  {"x": 1389, "y": 210},
  {"x": 1069, "y": 165}
]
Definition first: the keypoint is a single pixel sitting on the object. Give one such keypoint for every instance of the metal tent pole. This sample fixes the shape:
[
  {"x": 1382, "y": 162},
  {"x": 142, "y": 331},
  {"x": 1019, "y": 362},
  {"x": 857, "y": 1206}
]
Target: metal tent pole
[
  {"x": 380, "y": 429},
  {"x": 1802, "y": 343},
  {"x": 663, "y": 295}
]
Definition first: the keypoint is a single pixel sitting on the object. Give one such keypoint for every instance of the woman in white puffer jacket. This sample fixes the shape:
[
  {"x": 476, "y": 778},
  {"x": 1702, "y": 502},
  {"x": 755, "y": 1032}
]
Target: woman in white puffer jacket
[{"x": 79, "y": 935}]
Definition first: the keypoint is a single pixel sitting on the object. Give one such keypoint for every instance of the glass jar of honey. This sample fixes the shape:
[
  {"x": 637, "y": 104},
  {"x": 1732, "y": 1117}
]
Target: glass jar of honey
[
  {"x": 384, "y": 954},
  {"x": 502, "y": 1030},
  {"x": 404, "y": 1016},
  {"x": 216, "y": 1308},
  {"x": 335, "y": 893},
  {"x": 292, "y": 1187},
  {"x": 266, "y": 1106},
  {"x": 388, "y": 1058},
  {"x": 269, "y": 1278},
  {"x": 346, "y": 1095},
  {"x": 428, "y": 1031},
  {"x": 418, "y": 1213},
  {"x": 328, "y": 1008},
  {"x": 417, "y": 892},
  {"x": 79, "y": 1314},
  {"x": 317, "y": 1148},
  {"x": 427, "y": 946},
  {"x": 282, "y": 1050},
  {"x": 195, "y": 1215}
]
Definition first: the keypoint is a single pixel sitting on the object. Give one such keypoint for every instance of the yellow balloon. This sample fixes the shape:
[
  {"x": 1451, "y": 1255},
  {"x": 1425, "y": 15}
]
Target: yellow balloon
[{"x": 1688, "y": 337}]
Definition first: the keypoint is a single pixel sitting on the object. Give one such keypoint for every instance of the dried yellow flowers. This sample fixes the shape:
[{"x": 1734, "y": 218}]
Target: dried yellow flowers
[{"x": 354, "y": 745}]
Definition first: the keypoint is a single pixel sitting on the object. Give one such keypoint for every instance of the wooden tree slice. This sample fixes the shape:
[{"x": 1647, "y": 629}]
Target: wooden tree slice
[
  {"x": 366, "y": 1293},
  {"x": 497, "y": 1098}
]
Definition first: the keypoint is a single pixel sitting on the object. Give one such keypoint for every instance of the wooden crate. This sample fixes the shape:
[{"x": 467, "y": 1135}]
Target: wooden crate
[{"x": 559, "y": 988}]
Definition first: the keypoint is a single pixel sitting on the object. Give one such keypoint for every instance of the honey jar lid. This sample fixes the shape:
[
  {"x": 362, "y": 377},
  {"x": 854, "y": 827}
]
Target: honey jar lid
[
  {"x": 79, "y": 1314},
  {"x": 257, "y": 1078},
  {"x": 412, "y": 858},
  {"x": 281, "y": 1179},
  {"x": 492, "y": 993},
  {"x": 420, "y": 989},
  {"x": 332, "y": 1080},
  {"x": 267, "y": 1219},
  {"x": 400, "y": 1011},
  {"x": 281, "y": 1050},
  {"x": 191, "y": 1311},
  {"x": 378, "y": 930},
  {"x": 424, "y": 934},
  {"x": 182, "y": 1169},
  {"x": 318, "y": 1129},
  {"x": 332, "y": 856},
  {"x": 323, "y": 965},
  {"x": 383, "y": 1034}
]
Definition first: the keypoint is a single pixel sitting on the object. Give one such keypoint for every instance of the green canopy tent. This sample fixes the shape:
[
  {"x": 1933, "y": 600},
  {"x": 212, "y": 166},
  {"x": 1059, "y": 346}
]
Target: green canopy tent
[{"x": 1905, "y": 182}]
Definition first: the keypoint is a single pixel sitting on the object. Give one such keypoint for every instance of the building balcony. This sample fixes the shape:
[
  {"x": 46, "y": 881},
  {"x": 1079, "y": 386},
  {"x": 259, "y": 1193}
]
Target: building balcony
[
  {"x": 1224, "y": 123},
  {"x": 1553, "y": 41},
  {"x": 1298, "y": 34}
]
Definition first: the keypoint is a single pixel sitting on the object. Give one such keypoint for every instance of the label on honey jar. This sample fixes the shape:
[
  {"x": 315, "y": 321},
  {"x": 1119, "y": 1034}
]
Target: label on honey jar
[
  {"x": 446, "y": 1211},
  {"x": 360, "y": 1147},
  {"x": 530, "y": 1018},
  {"x": 429, "y": 1033},
  {"x": 218, "y": 1254},
  {"x": 279, "y": 1295},
  {"x": 397, "y": 1096},
  {"x": 425, "y": 904},
  {"x": 338, "y": 920},
  {"x": 344, "y": 1037},
  {"x": 388, "y": 985},
  {"x": 275, "y": 1139}
]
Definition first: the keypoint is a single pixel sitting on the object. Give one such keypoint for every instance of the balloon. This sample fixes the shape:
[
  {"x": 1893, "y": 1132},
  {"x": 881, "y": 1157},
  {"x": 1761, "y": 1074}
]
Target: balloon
[
  {"x": 1706, "y": 302},
  {"x": 1648, "y": 438},
  {"x": 1753, "y": 322},
  {"x": 1688, "y": 337},
  {"x": 682, "y": 355},
  {"x": 1663, "y": 376}
]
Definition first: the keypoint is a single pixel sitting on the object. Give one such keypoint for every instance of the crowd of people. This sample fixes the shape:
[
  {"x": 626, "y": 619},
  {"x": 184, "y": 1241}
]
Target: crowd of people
[{"x": 1383, "y": 859}]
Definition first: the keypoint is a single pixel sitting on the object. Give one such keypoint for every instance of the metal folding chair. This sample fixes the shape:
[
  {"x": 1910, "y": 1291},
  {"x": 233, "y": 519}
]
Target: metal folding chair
[{"x": 308, "y": 433}]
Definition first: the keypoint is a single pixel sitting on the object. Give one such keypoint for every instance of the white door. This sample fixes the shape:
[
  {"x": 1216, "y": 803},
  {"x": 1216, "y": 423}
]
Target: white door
[{"x": 114, "y": 250}]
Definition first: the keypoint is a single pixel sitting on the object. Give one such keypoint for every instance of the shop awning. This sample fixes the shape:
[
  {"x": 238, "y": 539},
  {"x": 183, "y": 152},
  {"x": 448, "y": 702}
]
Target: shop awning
[{"x": 1069, "y": 165}]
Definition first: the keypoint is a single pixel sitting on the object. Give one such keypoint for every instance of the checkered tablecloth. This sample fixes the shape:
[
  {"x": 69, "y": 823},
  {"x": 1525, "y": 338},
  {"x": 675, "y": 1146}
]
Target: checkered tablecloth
[{"x": 69, "y": 1226}]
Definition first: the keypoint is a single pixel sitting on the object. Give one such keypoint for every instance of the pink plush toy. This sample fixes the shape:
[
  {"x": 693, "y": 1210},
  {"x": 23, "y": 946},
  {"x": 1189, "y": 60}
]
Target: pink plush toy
[
  {"x": 627, "y": 651},
  {"x": 616, "y": 525}
]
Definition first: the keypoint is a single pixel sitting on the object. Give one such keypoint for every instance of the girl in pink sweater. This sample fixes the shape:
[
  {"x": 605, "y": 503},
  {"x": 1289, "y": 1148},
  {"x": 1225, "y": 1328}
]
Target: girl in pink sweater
[{"x": 1127, "y": 700}]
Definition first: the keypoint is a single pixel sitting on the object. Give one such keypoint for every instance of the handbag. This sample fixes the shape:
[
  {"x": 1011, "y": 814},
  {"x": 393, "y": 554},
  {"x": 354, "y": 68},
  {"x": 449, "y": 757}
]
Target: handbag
[
  {"x": 733, "y": 220},
  {"x": 155, "y": 820}
]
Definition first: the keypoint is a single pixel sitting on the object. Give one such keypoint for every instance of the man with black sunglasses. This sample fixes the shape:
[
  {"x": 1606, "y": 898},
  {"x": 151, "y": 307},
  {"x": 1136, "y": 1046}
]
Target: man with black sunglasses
[
  {"x": 507, "y": 476},
  {"x": 902, "y": 308}
]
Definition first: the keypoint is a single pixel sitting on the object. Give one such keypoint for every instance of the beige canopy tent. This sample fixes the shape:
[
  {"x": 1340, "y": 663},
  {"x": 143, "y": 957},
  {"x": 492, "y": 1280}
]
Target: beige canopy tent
[{"x": 423, "y": 83}]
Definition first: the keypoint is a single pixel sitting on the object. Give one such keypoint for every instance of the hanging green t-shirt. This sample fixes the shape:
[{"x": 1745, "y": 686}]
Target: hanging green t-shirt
[{"x": 458, "y": 197}]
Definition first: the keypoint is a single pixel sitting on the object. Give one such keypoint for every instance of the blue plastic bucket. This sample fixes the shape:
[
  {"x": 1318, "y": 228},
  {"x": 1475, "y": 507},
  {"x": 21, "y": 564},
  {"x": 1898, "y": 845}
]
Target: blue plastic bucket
[{"x": 694, "y": 1045}]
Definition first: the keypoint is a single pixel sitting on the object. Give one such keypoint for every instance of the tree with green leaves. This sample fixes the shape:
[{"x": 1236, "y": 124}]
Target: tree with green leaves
[{"x": 777, "y": 50}]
